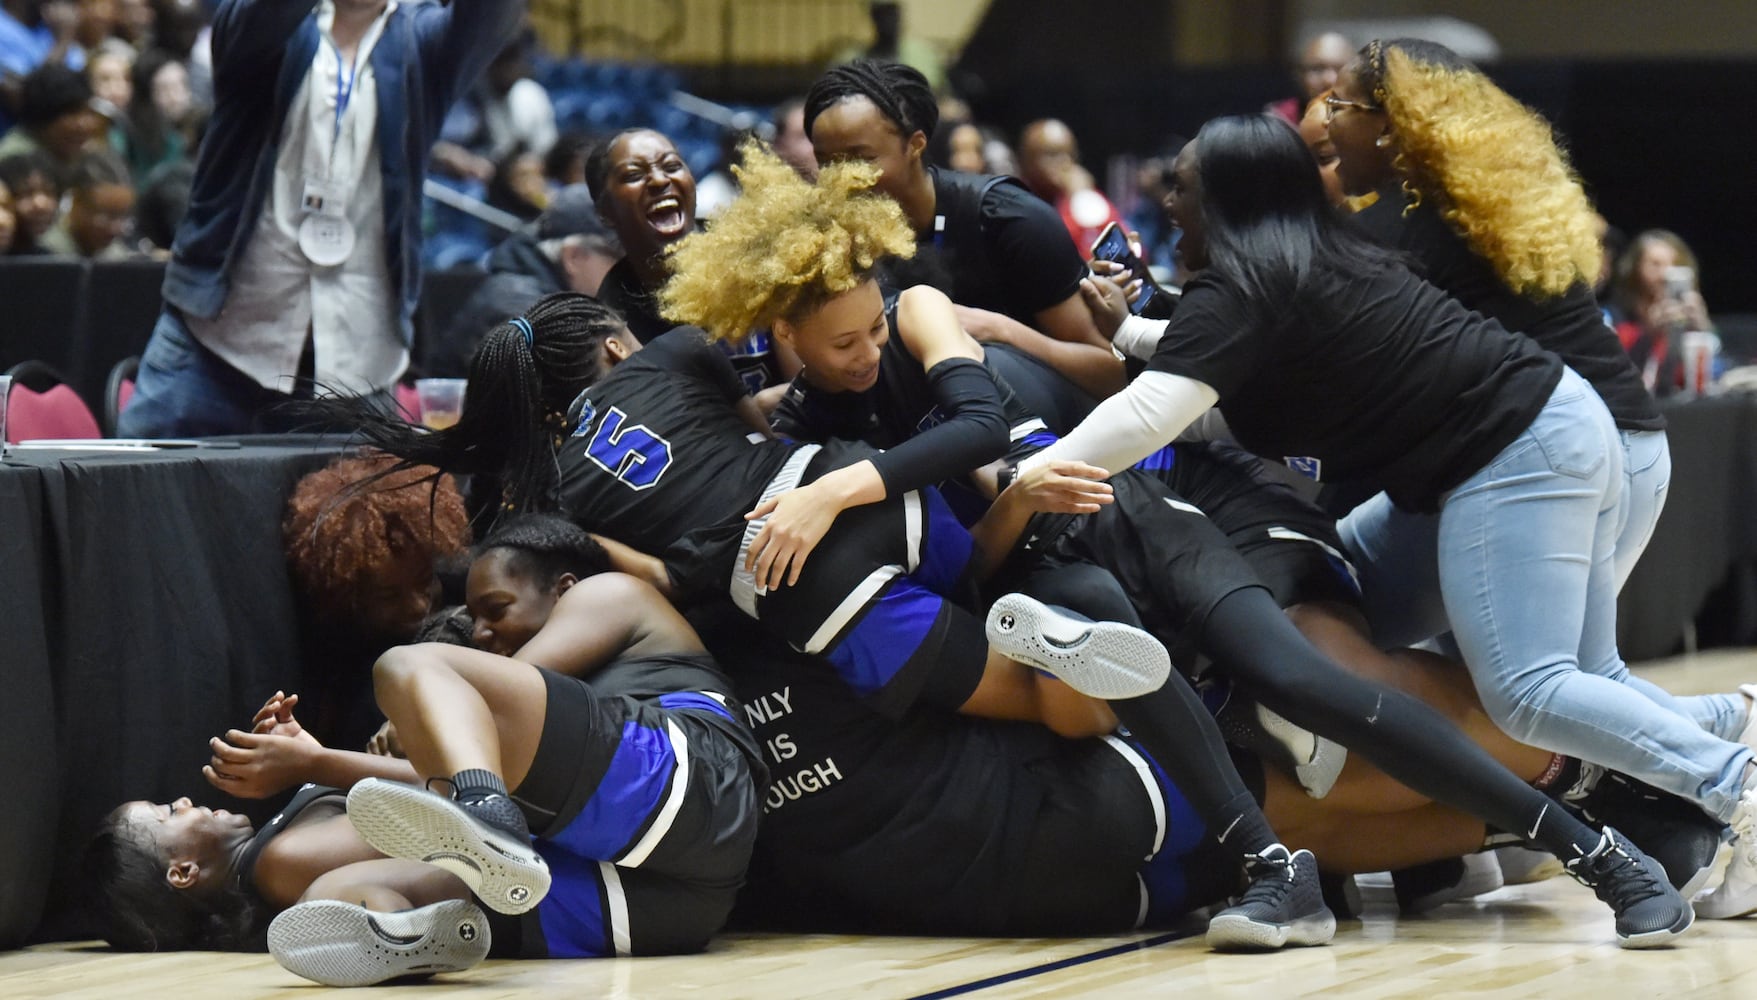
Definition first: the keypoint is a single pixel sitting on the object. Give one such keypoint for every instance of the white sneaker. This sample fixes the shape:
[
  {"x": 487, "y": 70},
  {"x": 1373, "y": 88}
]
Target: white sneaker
[
  {"x": 1748, "y": 735},
  {"x": 1317, "y": 761},
  {"x": 1737, "y": 893},
  {"x": 1103, "y": 660},
  {"x": 340, "y": 944}
]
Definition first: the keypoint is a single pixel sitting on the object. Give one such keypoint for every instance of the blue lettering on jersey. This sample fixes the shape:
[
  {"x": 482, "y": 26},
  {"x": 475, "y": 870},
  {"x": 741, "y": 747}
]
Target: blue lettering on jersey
[
  {"x": 587, "y": 412},
  {"x": 1305, "y": 465},
  {"x": 754, "y": 348},
  {"x": 633, "y": 454}
]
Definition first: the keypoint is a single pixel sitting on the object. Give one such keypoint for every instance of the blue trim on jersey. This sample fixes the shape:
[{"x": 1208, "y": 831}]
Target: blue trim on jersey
[
  {"x": 572, "y": 915},
  {"x": 1040, "y": 439},
  {"x": 946, "y": 545},
  {"x": 1167, "y": 887},
  {"x": 696, "y": 701},
  {"x": 632, "y": 788},
  {"x": 1159, "y": 461},
  {"x": 890, "y": 630}
]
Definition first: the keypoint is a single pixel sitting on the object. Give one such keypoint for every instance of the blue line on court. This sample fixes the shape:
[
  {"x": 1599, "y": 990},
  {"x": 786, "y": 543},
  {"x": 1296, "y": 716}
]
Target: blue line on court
[{"x": 1048, "y": 967}]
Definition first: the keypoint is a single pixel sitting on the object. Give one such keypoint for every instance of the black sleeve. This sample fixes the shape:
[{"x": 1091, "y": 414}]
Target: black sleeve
[
  {"x": 1037, "y": 258},
  {"x": 973, "y": 434},
  {"x": 793, "y": 417},
  {"x": 1212, "y": 338}
]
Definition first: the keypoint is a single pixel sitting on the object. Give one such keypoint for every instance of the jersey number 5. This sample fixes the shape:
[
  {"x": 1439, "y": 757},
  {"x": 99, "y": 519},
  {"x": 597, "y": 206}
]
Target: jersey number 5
[{"x": 634, "y": 455}]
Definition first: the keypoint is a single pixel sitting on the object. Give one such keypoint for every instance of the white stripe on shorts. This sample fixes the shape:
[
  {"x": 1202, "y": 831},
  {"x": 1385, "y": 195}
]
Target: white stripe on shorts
[
  {"x": 743, "y": 588},
  {"x": 661, "y": 825},
  {"x": 1155, "y": 794},
  {"x": 1188, "y": 508},
  {"x": 912, "y": 528},
  {"x": 1020, "y": 430},
  {"x": 850, "y": 606},
  {"x": 1290, "y": 535},
  {"x": 617, "y": 911}
]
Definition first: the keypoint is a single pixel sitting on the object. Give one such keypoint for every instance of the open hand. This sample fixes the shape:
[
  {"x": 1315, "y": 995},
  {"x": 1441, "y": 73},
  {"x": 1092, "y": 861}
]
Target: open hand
[
  {"x": 1065, "y": 487},
  {"x": 275, "y": 717},
  {"x": 797, "y": 521}
]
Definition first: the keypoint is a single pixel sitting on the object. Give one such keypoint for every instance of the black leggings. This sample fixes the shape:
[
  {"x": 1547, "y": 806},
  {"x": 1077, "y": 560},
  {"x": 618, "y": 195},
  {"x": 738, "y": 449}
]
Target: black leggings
[
  {"x": 1249, "y": 636},
  {"x": 1172, "y": 723}
]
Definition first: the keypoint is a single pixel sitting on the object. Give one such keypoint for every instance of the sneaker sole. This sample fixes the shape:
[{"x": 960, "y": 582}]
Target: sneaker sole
[
  {"x": 1239, "y": 933},
  {"x": 1661, "y": 938},
  {"x": 340, "y": 944},
  {"x": 1704, "y": 875},
  {"x": 403, "y": 821},
  {"x": 1106, "y": 660}
]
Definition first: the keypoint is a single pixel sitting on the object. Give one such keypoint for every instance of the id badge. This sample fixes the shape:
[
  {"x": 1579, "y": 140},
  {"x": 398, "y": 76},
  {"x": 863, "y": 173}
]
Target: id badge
[{"x": 326, "y": 237}]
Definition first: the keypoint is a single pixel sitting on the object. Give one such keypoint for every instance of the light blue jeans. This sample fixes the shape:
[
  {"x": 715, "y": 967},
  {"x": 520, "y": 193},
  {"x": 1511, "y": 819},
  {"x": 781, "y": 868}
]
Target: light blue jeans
[{"x": 1521, "y": 563}]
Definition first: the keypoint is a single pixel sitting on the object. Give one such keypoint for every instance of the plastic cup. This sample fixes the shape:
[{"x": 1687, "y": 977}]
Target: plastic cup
[
  {"x": 1699, "y": 351},
  {"x": 442, "y": 401}
]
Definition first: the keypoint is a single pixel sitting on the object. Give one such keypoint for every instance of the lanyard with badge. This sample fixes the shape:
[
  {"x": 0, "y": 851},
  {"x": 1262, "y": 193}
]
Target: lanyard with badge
[{"x": 326, "y": 235}]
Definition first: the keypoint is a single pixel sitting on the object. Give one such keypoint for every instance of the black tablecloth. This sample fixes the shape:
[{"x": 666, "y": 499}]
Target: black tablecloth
[
  {"x": 1697, "y": 570},
  {"x": 147, "y": 607}
]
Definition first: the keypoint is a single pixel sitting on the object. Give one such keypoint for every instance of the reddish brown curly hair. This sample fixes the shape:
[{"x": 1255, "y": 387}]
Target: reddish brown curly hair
[{"x": 338, "y": 528}]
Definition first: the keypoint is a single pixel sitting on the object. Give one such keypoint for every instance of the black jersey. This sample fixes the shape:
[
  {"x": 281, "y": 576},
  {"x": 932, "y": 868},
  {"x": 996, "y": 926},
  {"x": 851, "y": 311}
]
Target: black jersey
[
  {"x": 306, "y": 796},
  {"x": 658, "y": 451},
  {"x": 900, "y": 406},
  {"x": 932, "y": 823},
  {"x": 1570, "y": 325},
  {"x": 993, "y": 245}
]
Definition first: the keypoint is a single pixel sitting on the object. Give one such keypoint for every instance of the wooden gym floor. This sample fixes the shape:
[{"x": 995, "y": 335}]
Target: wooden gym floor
[{"x": 1550, "y": 940}]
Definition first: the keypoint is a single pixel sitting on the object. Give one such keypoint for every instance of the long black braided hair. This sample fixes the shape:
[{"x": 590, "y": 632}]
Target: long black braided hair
[
  {"x": 899, "y": 92},
  {"x": 523, "y": 376}
]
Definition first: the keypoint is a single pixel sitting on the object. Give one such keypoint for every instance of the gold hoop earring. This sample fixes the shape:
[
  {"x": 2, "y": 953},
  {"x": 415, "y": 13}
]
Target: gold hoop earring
[{"x": 1383, "y": 140}]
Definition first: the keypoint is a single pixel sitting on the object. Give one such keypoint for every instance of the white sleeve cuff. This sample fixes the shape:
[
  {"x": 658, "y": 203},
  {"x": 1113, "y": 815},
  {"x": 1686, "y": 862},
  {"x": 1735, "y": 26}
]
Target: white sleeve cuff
[{"x": 1139, "y": 338}]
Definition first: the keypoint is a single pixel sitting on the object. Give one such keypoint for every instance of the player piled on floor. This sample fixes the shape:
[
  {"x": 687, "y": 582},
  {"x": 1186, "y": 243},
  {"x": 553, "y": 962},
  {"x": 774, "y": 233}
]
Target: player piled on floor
[{"x": 624, "y": 753}]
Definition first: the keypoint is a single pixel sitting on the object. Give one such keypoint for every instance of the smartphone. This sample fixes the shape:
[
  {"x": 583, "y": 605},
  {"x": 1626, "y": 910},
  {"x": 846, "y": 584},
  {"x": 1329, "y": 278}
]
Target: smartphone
[
  {"x": 1113, "y": 245},
  {"x": 1680, "y": 279}
]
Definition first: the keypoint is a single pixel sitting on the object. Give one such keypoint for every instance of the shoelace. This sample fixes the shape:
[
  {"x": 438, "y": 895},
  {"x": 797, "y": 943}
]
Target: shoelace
[
  {"x": 1265, "y": 887},
  {"x": 1617, "y": 873}
]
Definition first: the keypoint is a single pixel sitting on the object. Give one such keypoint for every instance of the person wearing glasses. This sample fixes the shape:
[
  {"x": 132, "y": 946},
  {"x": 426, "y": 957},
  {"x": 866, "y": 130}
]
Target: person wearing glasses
[{"x": 1318, "y": 344}]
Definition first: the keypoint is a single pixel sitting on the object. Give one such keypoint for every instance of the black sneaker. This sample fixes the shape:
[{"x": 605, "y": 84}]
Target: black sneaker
[
  {"x": 1283, "y": 905},
  {"x": 340, "y": 944},
  {"x": 472, "y": 841},
  {"x": 1685, "y": 841},
  {"x": 1103, "y": 660},
  {"x": 1650, "y": 913}
]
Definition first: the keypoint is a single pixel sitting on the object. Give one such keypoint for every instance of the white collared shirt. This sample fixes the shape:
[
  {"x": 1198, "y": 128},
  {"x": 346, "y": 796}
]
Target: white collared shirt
[{"x": 277, "y": 295}]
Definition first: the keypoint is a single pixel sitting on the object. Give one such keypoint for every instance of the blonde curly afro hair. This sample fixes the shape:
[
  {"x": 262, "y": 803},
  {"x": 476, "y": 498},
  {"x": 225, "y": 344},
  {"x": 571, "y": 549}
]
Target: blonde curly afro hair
[
  {"x": 783, "y": 247},
  {"x": 1490, "y": 164}
]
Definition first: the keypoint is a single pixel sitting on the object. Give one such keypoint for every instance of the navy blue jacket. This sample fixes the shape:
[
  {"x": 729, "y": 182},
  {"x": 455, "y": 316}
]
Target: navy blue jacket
[{"x": 262, "y": 50}]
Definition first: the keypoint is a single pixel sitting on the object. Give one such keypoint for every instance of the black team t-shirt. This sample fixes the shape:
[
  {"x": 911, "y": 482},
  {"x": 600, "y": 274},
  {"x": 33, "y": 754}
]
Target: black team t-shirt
[
  {"x": 1376, "y": 378},
  {"x": 754, "y": 359},
  {"x": 1570, "y": 325},
  {"x": 998, "y": 246}
]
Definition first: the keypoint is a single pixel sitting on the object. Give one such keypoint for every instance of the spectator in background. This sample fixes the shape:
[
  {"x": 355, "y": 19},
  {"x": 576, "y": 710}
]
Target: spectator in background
[
  {"x": 157, "y": 114},
  {"x": 716, "y": 189},
  {"x": 519, "y": 187},
  {"x": 94, "y": 27},
  {"x": 55, "y": 117},
  {"x": 8, "y": 219},
  {"x": 889, "y": 44},
  {"x": 791, "y": 143},
  {"x": 1320, "y": 61},
  {"x": 508, "y": 111},
  {"x": 36, "y": 198},
  {"x": 164, "y": 199},
  {"x": 135, "y": 20},
  {"x": 569, "y": 249},
  {"x": 99, "y": 211},
  {"x": 298, "y": 262},
  {"x": 24, "y": 38},
  {"x": 1049, "y": 164},
  {"x": 565, "y": 164},
  {"x": 1654, "y": 301},
  {"x": 108, "y": 72}
]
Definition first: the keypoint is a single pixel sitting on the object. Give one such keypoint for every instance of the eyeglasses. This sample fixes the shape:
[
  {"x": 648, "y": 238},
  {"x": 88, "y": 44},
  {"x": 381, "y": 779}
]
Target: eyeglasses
[{"x": 1333, "y": 104}]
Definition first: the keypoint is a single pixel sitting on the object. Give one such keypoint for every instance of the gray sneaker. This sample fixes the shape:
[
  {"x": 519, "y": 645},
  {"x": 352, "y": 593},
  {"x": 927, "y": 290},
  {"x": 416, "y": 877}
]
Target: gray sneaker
[
  {"x": 403, "y": 821},
  {"x": 1104, "y": 660},
  {"x": 341, "y": 944},
  {"x": 1283, "y": 905}
]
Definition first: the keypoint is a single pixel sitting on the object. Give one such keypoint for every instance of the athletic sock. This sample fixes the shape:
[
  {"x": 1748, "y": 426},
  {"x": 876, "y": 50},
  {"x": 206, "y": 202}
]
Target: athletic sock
[
  {"x": 1240, "y": 824},
  {"x": 475, "y": 784}
]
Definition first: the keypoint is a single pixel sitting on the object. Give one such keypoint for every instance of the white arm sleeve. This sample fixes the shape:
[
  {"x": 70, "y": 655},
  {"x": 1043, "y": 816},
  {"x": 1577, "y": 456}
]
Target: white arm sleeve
[
  {"x": 1132, "y": 424},
  {"x": 1138, "y": 338}
]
